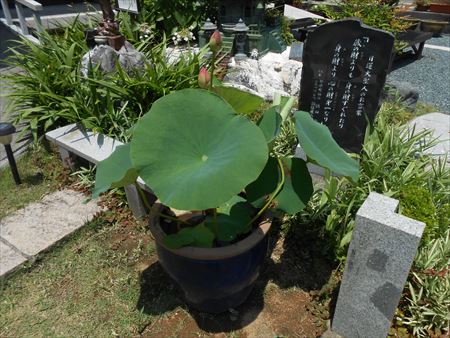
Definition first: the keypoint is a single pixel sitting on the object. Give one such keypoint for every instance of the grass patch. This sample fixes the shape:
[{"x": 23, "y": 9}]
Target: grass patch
[
  {"x": 88, "y": 285},
  {"x": 41, "y": 172}
]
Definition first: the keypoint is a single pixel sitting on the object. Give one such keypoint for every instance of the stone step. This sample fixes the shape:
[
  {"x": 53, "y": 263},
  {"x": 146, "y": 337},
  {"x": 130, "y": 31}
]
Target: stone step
[{"x": 37, "y": 227}]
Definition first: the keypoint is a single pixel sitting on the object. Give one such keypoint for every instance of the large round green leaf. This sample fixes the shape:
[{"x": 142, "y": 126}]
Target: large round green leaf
[{"x": 195, "y": 152}]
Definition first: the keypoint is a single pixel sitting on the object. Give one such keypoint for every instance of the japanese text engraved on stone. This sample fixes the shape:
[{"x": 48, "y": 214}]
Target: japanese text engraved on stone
[{"x": 344, "y": 69}]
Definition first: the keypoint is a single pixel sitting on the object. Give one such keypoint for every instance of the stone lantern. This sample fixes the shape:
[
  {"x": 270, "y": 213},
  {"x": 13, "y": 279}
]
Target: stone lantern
[
  {"x": 208, "y": 29},
  {"x": 240, "y": 34}
]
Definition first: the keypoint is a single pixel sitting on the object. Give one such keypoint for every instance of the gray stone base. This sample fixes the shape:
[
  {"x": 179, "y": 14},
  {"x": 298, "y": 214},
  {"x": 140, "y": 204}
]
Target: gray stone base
[{"x": 40, "y": 225}]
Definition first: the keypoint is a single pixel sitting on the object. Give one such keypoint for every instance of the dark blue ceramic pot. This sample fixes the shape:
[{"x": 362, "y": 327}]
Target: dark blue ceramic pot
[{"x": 216, "y": 279}]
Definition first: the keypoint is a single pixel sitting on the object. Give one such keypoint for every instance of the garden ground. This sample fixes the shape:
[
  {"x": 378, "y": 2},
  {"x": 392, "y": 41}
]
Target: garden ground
[{"x": 105, "y": 280}]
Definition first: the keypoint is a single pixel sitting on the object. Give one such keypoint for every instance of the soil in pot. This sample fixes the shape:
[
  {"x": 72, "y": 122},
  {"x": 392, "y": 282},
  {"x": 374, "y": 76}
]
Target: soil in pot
[{"x": 216, "y": 279}]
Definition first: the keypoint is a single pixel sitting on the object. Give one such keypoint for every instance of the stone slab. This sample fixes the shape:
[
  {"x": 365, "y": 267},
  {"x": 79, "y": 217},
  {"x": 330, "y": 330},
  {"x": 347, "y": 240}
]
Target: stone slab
[
  {"x": 379, "y": 258},
  {"x": 74, "y": 139},
  {"x": 296, "y": 13},
  {"x": 39, "y": 225},
  {"x": 273, "y": 73},
  {"x": 439, "y": 124},
  {"x": 10, "y": 259},
  {"x": 84, "y": 143}
]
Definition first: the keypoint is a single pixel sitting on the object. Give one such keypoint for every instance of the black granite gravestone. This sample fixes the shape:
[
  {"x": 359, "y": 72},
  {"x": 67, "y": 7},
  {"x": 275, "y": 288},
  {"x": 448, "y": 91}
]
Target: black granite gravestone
[
  {"x": 344, "y": 70},
  {"x": 296, "y": 51}
]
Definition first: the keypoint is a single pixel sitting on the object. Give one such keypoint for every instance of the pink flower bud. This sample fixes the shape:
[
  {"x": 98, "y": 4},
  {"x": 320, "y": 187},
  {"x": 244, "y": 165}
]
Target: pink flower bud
[
  {"x": 204, "y": 79},
  {"x": 215, "y": 42}
]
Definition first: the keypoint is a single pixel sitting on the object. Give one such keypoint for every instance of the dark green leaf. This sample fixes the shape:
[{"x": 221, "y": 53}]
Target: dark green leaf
[
  {"x": 182, "y": 238},
  {"x": 203, "y": 237},
  {"x": 297, "y": 188},
  {"x": 242, "y": 102},
  {"x": 114, "y": 171},
  {"x": 198, "y": 236},
  {"x": 265, "y": 184},
  {"x": 270, "y": 124},
  {"x": 226, "y": 207},
  {"x": 228, "y": 227},
  {"x": 318, "y": 144}
]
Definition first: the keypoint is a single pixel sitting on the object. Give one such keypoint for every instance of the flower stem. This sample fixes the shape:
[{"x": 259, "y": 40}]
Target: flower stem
[{"x": 213, "y": 66}]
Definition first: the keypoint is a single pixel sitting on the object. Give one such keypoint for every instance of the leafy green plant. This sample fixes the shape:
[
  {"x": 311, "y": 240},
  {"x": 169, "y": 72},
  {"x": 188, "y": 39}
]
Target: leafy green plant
[
  {"x": 85, "y": 177},
  {"x": 48, "y": 76},
  {"x": 416, "y": 202},
  {"x": 51, "y": 92},
  {"x": 272, "y": 16},
  {"x": 206, "y": 168},
  {"x": 374, "y": 13},
  {"x": 395, "y": 113},
  {"x": 425, "y": 306},
  {"x": 286, "y": 34},
  {"x": 422, "y": 2},
  {"x": 393, "y": 163},
  {"x": 170, "y": 16},
  {"x": 389, "y": 162}
]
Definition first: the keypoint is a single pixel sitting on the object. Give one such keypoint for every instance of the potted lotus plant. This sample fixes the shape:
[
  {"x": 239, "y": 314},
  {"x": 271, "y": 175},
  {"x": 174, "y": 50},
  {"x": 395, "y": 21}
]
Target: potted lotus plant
[{"x": 199, "y": 152}]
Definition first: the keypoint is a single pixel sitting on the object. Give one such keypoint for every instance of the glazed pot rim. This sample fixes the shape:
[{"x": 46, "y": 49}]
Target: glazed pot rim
[{"x": 209, "y": 253}]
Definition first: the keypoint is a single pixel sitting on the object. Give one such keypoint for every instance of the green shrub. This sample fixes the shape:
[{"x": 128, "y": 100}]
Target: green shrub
[
  {"x": 395, "y": 113},
  {"x": 51, "y": 92},
  {"x": 374, "y": 13},
  {"x": 416, "y": 203},
  {"x": 286, "y": 34},
  {"x": 48, "y": 77},
  {"x": 172, "y": 15}
]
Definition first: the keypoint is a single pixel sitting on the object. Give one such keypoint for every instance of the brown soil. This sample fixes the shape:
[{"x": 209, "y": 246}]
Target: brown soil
[
  {"x": 290, "y": 299},
  {"x": 285, "y": 314}
]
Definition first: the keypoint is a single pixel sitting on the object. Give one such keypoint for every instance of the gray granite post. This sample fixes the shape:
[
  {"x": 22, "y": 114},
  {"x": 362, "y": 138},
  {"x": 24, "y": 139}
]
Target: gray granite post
[{"x": 379, "y": 258}]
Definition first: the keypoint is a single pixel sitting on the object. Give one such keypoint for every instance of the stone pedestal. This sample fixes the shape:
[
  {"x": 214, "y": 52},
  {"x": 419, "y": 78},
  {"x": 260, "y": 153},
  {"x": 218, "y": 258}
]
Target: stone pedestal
[{"x": 380, "y": 256}]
